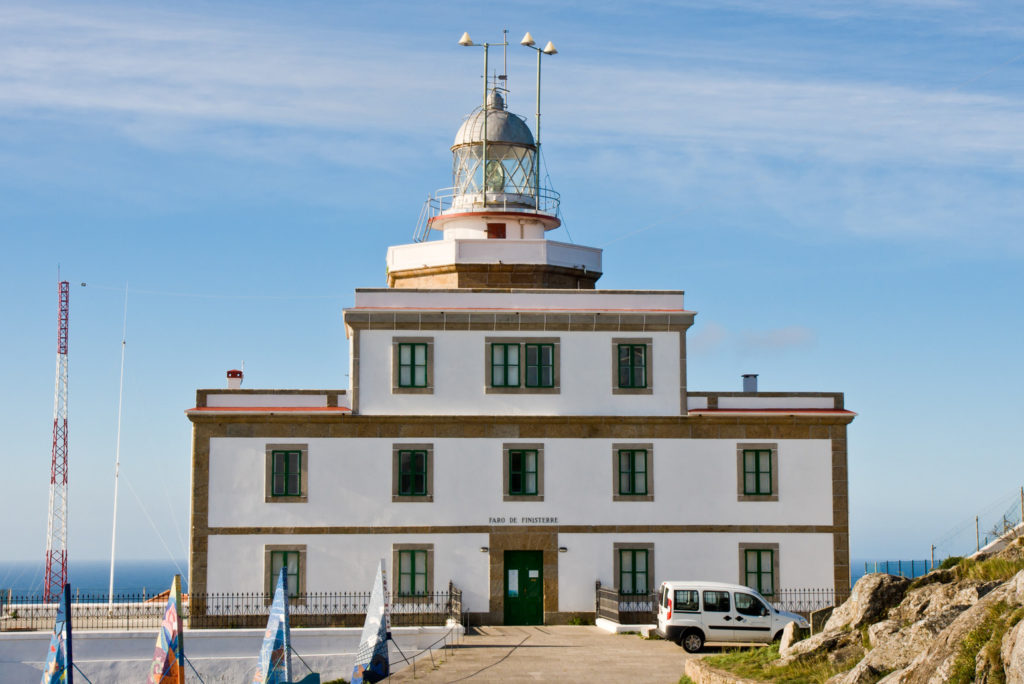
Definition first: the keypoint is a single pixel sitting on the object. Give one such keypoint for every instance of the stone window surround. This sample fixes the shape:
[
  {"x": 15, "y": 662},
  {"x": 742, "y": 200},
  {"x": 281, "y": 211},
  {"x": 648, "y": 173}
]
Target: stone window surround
[
  {"x": 632, "y": 446},
  {"x": 556, "y": 362},
  {"x": 627, "y": 546},
  {"x": 270, "y": 583},
  {"x": 395, "y": 341},
  {"x": 304, "y": 476},
  {"x": 759, "y": 546},
  {"x": 648, "y": 359},
  {"x": 395, "y": 473},
  {"x": 395, "y": 548},
  {"x": 747, "y": 446},
  {"x": 505, "y": 449}
]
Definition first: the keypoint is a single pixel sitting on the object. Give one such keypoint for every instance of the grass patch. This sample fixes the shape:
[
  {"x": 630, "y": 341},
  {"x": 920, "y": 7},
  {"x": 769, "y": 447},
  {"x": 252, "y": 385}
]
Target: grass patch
[
  {"x": 577, "y": 620},
  {"x": 990, "y": 569},
  {"x": 951, "y": 562},
  {"x": 758, "y": 663},
  {"x": 986, "y": 639},
  {"x": 686, "y": 680}
]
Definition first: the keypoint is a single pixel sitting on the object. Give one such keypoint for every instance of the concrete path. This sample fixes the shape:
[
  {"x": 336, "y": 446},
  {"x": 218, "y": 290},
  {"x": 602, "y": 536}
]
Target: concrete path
[{"x": 550, "y": 654}]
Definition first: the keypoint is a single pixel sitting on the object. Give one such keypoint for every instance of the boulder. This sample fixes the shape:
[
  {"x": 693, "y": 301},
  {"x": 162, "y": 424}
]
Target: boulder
[
  {"x": 1013, "y": 654},
  {"x": 789, "y": 635},
  {"x": 869, "y": 602},
  {"x": 839, "y": 645}
]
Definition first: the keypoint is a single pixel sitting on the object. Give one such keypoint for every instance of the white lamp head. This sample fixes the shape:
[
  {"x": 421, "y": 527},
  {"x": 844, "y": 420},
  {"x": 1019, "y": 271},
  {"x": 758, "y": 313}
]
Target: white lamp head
[
  {"x": 527, "y": 40},
  {"x": 465, "y": 40},
  {"x": 549, "y": 49}
]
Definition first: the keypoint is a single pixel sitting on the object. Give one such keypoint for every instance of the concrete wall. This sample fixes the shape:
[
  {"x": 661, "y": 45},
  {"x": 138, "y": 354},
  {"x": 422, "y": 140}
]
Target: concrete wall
[
  {"x": 218, "y": 655},
  {"x": 460, "y": 376}
]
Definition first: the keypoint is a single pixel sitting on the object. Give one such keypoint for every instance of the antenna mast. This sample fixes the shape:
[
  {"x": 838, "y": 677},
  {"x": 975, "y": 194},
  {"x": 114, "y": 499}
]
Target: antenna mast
[{"x": 56, "y": 573}]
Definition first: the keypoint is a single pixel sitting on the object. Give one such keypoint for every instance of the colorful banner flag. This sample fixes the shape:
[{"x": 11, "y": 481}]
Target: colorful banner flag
[
  {"x": 57, "y": 669},
  {"x": 275, "y": 665},
  {"x": 169, "y": 657},
  {"x": 372, "y": 661}
]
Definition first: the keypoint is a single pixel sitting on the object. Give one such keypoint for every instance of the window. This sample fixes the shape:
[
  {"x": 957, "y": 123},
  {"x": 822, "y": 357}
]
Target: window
[
  {"x": 634, "y": 567},
  {"x": 716, "y": 601},
  {"x": 413, "y": 566},
  {"x": 412, "y": 364},
  {"x": 523, "y": 472},
  {"x": 757, "y": 472},
  {"x": 760, "y": 569},
  {"x": 750, "y": 605},
  {"x": 540, "y": 365},
  {"x": 495, "y": 231},
  {"x": 287, "y": 478},
  {"x": 686, "y": 601},
  {"x": 504, "y": 365},
  {"x": 412, "y": 472},
  {"x": 293, "y": 559},
  {"x": 412, "y": 361},
  {"x": 632, "y": 472},
  {"x": 631, "y": 365},
  {"x": 525, "y": 365}
]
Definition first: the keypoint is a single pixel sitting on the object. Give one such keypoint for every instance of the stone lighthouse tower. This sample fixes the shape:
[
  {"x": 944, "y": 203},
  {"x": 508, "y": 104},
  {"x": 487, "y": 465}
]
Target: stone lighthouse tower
[{"x": 494, "y": 219}]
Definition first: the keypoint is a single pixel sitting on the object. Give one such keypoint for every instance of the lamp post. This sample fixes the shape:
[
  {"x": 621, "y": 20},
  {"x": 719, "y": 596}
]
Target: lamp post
[
  {"x": 548, "y": 49},
  {"x": 466, "y": 41}
]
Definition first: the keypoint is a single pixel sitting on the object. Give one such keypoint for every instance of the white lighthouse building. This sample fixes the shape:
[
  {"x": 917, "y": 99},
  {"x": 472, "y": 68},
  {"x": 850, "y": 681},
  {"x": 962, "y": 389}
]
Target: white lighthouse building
[{"x": 513, "y": 430}]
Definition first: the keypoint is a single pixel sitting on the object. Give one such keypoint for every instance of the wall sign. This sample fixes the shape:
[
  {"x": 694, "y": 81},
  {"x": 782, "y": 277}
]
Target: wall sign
[{"x": 521, "y": 520}]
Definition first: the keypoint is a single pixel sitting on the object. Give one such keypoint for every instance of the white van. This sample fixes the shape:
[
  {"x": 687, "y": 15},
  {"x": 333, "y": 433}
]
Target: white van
[{"x": 691, "y": 613}]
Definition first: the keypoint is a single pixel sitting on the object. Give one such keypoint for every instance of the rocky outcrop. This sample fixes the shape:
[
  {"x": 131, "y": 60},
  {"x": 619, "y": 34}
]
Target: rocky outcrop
[
  {"x": 871, "y": 599},
  {"x": 1013, "y": 654}
]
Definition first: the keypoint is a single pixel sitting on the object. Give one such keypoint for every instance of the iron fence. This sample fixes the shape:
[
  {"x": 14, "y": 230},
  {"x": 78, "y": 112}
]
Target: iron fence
[
  {"x": 227, "y": 610},
  {"x": 806, "y": 601}
]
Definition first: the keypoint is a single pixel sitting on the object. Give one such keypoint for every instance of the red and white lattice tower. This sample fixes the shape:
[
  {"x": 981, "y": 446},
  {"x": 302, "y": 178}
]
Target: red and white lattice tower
[{"x": 57, "y": 525}]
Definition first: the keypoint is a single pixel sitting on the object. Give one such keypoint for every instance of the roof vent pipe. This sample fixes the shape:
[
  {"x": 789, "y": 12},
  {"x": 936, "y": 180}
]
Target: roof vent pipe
[
  {"x": 234, "y": 379},
  {"x": 750, "y": 382}
]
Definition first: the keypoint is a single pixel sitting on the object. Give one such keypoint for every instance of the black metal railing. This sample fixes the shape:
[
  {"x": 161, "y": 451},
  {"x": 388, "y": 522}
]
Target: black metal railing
[
  {"x": 227, "y": 610},
  {"x": 806, "y": 601}
]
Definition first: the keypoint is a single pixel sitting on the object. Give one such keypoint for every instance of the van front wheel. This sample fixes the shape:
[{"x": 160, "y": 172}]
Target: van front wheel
[{"x": 692, "y": 641}]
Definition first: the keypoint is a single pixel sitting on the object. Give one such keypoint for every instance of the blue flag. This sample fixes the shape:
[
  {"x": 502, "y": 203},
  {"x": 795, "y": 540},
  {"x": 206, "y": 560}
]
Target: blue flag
[
  {"x": 372, "y": 664},
  {"x": 275, "y": 655}
]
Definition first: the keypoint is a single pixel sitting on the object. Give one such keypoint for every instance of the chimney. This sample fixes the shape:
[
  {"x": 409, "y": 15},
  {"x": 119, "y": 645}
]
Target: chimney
[
  {"x": 235, "y": 379},
  {"x": 750, "y": 382}
]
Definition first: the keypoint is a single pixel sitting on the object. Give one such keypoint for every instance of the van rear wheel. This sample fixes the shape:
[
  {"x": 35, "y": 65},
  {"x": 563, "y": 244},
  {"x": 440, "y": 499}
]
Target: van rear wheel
[{"x": 691, "y": 641}]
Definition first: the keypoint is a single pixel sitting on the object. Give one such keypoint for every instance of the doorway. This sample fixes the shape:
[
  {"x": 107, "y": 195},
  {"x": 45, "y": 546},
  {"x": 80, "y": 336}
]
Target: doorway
[{"x": 524, "y": 587}]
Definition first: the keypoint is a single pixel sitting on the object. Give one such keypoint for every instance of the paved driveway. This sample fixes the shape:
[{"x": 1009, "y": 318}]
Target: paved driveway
[{"x": 546, "y": 654}]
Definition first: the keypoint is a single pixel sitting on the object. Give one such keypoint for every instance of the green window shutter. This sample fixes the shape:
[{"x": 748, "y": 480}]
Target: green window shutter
[
  {"x": 633, "y": 572},
  {"x": 540, "y": 365},
  {"x": 412, "y": 473},
  {"x": 286, "y": 473},
  {"x": 504, "y": 365},
  {"x": 522, "y": 472},
  {"x": 412, "y": 572},
  {"x": 632, "y": 366},
  {"x": 289, "y": 560},
  {"x": 757, "y": 471},
  {"x": 412, "y": 364}
]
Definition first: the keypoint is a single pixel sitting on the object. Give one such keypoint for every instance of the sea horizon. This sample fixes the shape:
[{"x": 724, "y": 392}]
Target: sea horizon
[{"x": 25, "y": 578}]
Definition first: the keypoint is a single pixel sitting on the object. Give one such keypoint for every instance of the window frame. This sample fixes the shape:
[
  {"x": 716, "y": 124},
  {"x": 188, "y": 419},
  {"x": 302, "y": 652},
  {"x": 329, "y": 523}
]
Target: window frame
[
  {"x": 397, "y": 551},
  {"x": 396, "y": 367},
  {"x": 506, "y": 467},
  {"x": 303, "y": 495},
  {"x": 396, "y": 473},
  {"x": 742, "y": 448},
  {"x": 540, "y": 365},
  {"x": 506, "y": 365},
  {"x": 523, "y": 387},
  {"x": 270, "y": 579},
  {"x": 648, "y": 344},
  {"x": 622, "y": 547},
  {"x": 745, "y": 551},
  {"x": 617, "y": 450}
]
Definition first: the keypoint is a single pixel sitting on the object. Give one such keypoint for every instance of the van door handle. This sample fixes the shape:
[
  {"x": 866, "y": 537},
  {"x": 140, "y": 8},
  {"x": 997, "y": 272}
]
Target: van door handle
[
  {"x": 739, "y": 618},
  {"x": 727, "y": 618}
]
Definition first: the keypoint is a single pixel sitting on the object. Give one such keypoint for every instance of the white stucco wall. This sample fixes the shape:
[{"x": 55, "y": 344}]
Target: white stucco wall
[
  {"x": 695, "y": 483},
  {"x": 460, "y": 377}
]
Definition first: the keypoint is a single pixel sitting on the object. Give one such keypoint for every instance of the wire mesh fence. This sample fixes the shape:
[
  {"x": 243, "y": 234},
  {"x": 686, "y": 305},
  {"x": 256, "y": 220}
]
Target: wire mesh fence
[
  {"x": 1001, "y": 519},
  {"x": 226, "y": 610}
]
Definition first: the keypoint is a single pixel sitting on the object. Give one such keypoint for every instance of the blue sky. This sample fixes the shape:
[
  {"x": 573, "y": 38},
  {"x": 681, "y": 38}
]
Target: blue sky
[{"x": 836, "y": 185}]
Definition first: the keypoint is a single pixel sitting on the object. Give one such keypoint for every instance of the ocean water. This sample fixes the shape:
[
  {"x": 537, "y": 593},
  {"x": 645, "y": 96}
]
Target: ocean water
[{"x": 93, "y": 577}]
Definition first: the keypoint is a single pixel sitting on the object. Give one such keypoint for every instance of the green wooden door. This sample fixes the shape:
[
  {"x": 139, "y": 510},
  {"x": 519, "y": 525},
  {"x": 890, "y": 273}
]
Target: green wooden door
[{"x": 524, "y": 588}]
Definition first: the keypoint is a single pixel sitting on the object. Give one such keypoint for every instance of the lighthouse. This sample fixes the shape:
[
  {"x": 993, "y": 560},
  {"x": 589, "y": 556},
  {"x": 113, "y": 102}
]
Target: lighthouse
[{"x": 493, "y": 221}]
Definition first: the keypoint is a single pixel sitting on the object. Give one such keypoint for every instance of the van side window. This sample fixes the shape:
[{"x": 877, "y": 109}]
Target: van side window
[
  {"x": 716, "y": 601},
  {"x": 686, "y": 600},
  {"x": 749, "y": 605}
]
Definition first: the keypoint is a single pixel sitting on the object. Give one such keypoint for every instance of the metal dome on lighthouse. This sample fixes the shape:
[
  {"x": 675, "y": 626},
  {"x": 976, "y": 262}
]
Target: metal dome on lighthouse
[{"x": 494, "y": 217}]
